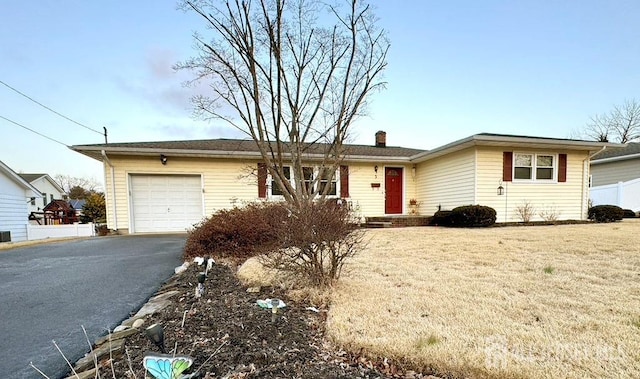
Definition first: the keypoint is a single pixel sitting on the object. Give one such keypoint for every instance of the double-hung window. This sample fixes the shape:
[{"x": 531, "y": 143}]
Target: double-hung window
[
  {"x": 325, "y": 175},
  {"x": 275, "y": 188},
  {"x": 534, "y": 167},
  {"x": 309, "y": 175}
]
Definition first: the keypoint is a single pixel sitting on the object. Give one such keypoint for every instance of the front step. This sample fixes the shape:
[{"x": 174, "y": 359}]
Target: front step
[
  {"x": 378, "y": 224},
  {"x": 396, "y": 221}
]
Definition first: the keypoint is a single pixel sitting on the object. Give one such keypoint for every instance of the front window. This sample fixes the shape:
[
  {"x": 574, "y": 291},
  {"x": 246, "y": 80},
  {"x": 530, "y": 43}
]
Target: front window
[
  {"x": 307, "y": 172},
  {"x": 534, "y": 167},
  {"x": 325, "y": 181},
  {"x": 310, "y": 174},
  {"x": 544, "y": 167},
  {"x": 275, "y": 188}
]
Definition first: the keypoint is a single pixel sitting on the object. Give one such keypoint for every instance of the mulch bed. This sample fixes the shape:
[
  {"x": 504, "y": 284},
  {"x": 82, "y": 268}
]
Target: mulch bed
[{"x": 229, "y": 336}]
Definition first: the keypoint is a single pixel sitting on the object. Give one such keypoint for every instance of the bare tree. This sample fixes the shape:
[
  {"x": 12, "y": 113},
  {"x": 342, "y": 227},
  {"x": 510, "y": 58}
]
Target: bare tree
[
  {"x": 621, "y": 124},
  {"x": 68, "y": 182},
  {"x": 291, "y": 74}
]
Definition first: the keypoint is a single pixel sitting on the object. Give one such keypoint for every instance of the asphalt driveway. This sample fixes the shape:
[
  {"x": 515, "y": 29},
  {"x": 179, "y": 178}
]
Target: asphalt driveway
[{"x": 48, "y": 292}]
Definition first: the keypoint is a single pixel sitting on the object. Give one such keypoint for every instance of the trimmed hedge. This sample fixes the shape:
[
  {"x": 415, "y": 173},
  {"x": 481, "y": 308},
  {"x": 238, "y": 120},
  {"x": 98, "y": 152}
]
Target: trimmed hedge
[
  {"x": 628, "y": 213},
  {"x": 465, "y": 216},
  {"x": 441, "y": 218},
  {"x": 606, "y": 213}
]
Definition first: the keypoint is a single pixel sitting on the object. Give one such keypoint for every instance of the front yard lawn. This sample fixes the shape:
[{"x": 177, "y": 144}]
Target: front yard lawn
[{"x": 512, "y": 302}]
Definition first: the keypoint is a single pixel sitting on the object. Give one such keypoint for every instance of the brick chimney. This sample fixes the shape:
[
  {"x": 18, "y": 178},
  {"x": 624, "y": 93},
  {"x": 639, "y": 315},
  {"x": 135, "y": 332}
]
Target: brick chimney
[{"x": 381, "y": 139}]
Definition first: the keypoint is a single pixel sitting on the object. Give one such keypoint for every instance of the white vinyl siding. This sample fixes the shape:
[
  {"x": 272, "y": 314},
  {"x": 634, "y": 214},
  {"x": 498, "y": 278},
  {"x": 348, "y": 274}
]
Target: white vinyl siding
[
  {"x": 447, "y": 182},
  {"x": 13, "y": 209},
  {"x": 568, "y": 199},
  {"x": 614, "y": 172},
  {"x": 13, "y": 216},
  {"x": 46, "y": 188}
]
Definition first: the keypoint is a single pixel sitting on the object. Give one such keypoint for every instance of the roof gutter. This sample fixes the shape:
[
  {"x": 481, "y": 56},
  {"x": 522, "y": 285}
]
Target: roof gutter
[
  {"x": 238, "y": 154},
  {"x": 113, "y": 188}
]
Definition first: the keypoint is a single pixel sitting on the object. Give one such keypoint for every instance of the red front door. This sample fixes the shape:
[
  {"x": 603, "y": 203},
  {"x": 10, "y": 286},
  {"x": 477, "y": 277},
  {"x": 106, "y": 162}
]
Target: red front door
[{"x": 393, "y": 190}]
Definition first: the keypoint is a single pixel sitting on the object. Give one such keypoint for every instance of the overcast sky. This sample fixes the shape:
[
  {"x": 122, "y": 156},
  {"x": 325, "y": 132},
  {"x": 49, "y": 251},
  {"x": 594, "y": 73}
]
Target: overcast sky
[{"x": 456, "y": 68}]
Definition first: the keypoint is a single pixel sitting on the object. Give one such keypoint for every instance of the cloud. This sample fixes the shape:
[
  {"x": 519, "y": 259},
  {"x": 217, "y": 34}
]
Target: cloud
[
  {"x": 160, "y": 63},
  {"x": 159, "y": 85},
  {"x": 188, "y": 129}
]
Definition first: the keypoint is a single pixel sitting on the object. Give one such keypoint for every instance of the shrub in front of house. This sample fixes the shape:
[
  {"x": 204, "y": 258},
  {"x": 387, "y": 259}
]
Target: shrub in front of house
[
  {"x": 316, "y": 240},
  {"x": 465, "y": 216},
  {"x": 606, "y": 213},
  {"x": 311, "y": 242},
  {"x": 238, "y": 233},
  {"x": 628, "y": 213},
  {"x": 473, "y": 216},
  {"x": 441, "y": 218}
]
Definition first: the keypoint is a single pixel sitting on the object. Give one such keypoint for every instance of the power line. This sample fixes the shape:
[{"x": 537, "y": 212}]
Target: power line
[
  {"x": 33, "y": 131},
  {"x": 46, "y": 107}
]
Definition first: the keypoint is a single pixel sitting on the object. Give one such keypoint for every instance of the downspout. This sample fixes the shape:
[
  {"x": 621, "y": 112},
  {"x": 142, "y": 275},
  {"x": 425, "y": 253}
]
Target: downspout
[
  {"x": 588, "y": 158},
  {"x": 113, "y": 188}
]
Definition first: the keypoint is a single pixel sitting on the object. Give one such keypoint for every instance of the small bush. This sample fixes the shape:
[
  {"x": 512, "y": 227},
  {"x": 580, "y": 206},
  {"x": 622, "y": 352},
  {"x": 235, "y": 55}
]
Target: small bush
[
  {"x": 473, "y": 216},
  {"x": 549, "y": 214},
  {"x": 441, "y": 218},
  {"x": 465, "y": 216},
  {"x": 238, "y": 232},
  {"x": 315, "y": 242},
  {"x": 628, "y": 213},
  {"x": 606, "y": 213},
  {"x": 525, "y": 211}
]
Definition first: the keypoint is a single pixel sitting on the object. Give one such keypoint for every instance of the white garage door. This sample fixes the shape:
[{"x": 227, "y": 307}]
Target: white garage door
[{"x": 165, "y": 203}]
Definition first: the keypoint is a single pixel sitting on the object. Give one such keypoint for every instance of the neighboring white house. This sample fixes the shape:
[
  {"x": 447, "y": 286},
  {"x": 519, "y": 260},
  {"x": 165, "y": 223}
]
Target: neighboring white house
[
  {"x": 48, "y": 187},
  {"x": 15, "y": 197},
  {"x": 615, "y": 177}
]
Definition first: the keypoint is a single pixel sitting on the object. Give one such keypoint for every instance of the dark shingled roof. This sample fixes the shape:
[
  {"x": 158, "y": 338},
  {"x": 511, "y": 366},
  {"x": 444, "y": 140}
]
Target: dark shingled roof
[
  {"x": 614, "y": 152},
  {"x": 236, "y": 145}
]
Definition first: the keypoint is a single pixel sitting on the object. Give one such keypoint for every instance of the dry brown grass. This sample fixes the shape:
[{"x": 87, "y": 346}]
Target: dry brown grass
[{"x": 513, "y": 302}]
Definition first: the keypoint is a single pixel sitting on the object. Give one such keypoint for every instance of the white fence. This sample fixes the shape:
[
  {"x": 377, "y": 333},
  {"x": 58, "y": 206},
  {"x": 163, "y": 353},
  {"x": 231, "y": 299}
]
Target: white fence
[
  {"x": 39, "y": 232},
  {"x": 626, "y": 195}
]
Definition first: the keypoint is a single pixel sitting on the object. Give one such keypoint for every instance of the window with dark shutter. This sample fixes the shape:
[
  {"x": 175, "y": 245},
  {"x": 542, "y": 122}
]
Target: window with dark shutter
[
  {"x": 507, "y": 166},
  {"x": 562, "y": 168},
  {"x": 262, "y": 180},
  {"x": 344, "y": 181}
]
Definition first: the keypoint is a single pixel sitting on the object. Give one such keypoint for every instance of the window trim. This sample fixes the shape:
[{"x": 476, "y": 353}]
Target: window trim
[{"x": 534, "y": 167}]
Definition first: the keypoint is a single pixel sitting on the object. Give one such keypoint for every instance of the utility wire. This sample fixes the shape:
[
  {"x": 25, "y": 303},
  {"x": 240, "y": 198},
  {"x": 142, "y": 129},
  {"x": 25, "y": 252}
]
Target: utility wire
[
  {"x": 33, "y": 131},
  {"x": 46, "y": 107}
]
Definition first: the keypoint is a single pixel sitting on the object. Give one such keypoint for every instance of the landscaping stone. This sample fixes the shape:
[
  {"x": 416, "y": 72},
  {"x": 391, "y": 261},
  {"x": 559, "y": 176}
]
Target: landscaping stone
[
  {"x": 116, "y": 336},
  {"x": 115, "y": 348},
  {"x": 154, "y": 305}
]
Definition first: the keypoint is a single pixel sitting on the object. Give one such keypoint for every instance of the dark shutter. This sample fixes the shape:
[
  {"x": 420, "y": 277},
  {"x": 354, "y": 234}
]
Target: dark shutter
[
  {"x": 562, "y": 168},
  {"x": 344, "y": 181},
  {"x": 262, "y": 180},
  {"x": 507, "y": 166}
]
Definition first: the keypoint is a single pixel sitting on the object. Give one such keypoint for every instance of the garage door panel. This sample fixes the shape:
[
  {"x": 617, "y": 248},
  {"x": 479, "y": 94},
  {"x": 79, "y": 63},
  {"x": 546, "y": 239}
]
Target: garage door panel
[{"x": 165, "y": 203}]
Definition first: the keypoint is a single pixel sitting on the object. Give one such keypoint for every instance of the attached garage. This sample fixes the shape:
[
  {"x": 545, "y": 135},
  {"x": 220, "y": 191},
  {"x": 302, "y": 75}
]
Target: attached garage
[{"x": 165, "y": 203}]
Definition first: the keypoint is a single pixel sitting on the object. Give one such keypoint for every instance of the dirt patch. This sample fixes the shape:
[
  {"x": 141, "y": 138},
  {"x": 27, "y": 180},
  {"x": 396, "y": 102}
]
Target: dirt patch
[{"x": 229, "y": 336}]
